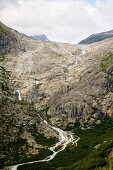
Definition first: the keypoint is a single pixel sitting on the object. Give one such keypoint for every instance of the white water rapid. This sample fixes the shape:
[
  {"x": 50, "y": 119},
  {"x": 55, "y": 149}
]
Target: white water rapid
[{"x": 64, "y": 139}]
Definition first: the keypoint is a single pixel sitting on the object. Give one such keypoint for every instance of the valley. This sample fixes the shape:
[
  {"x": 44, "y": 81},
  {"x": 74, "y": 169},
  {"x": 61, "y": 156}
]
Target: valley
[
  {"x": 56, "y": 104},
  {"x": 65, "y": 138}
]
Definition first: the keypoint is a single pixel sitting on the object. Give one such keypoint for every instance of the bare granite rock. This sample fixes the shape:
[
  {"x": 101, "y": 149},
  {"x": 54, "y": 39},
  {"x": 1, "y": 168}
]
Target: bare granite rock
[{"x": 73, "y": 80}]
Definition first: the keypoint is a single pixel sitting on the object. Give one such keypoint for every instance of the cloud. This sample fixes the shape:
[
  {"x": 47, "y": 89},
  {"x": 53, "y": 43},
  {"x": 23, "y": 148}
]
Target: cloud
[
  {"x": 61, "y": 20},
  {"x": 6, "y": 3}
]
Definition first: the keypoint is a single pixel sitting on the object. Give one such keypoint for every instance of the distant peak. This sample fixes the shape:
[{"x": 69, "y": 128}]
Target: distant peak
[
  {"x": 41, "y": 37},
  {"x": 97, "y": 37}
]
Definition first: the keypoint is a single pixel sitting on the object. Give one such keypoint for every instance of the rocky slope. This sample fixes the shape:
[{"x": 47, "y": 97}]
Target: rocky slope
[
  {"x": 69, "y": 79},
  {"x": 68, "y": 83},
  {"x": 9, "y": 40},
  {"x": 21, "y": 133},
  {"x": 97, "y": 37}
]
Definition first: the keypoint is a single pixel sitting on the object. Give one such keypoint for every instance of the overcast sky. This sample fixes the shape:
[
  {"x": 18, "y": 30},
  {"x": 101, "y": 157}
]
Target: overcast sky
[{"x": 61, "y": 20}]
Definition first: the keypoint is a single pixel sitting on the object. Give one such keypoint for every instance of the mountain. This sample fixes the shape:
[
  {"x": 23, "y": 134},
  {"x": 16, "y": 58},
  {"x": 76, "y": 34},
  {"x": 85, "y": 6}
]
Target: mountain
[
  {"x": 10, "y": 40},
  {"x": 19, "y": 119},
  {"x": 68, "y": 86},
  {"x": 97, "y": 37},
  {"x": 64, "y": 77},
  {"x": 20, "y": 127},
  {"x": 41, "y": 37}
]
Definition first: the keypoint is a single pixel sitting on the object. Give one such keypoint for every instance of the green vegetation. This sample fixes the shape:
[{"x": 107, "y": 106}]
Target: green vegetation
[
  {"x": 2, "y": 58},
  {"x": 12, "y": 152},
  {"x": 107, "y": 63},
  {"x": 42, "y": 140},
  {"x": 39, "y": 166},
  {"x": 16, "y": 152},
  {"x": 17, "y": 117},
  {"x": 85, "y": 151},
  {"x": 44, "y": 111},
  {"x": 70, "y": 127},
  {"x": 3, "y": 30},
  {"x": 96, "y": 38},
  {"x": 92, "y": 152},
  {"x": 107, "y": 67}
]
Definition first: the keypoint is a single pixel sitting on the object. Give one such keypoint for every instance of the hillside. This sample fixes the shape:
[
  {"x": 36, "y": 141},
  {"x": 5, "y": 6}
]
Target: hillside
[
  {"x": 70, "y": 86},
  {"x": 10, "y": 41},
  {"x": 97, "y": 37},
  {"x": 20, "y": 127},
  {"x": 68, "y": 79}
]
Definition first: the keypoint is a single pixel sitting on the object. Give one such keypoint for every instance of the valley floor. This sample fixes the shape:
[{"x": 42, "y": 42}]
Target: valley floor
[{"x": 94, "y": 151}]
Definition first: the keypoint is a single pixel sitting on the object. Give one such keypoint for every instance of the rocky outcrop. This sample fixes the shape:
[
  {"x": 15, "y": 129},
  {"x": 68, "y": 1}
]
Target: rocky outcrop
[
  {"x": 91, "y": 100},
  {"x": 74, "y": 81},
  {"x": 21, "y": 130},
  {"x": 9, "y": 40}
]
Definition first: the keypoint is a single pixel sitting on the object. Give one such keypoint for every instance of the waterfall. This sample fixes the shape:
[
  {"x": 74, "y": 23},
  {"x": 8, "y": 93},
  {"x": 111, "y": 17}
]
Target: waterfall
[
  {"x": 19, "y": 95},
  {"x": 83, "y": 52},
  {"x": 76, "y": 61}
]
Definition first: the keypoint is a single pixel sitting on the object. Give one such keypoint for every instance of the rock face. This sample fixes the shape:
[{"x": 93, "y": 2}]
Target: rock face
[
  {"x": 21, "y": 130},
  {"x": 97, "y": 37},
  {"x": 41, "y": 37},
  {"x": 10, "y": 40},
  {"x": 75, "y": 82}
]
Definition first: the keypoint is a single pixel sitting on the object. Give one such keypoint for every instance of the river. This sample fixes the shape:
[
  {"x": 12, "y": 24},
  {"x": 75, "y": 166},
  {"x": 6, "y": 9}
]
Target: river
[{"x": 65, "y": 138}]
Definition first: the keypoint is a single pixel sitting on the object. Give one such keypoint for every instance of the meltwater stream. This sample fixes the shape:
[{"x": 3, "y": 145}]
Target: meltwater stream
[
  {"x": 65, "y": 138},
  {"x": 19, "y": 95}
]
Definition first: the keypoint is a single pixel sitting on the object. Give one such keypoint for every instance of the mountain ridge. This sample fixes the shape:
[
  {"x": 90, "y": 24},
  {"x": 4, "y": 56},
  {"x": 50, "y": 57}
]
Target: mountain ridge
[
  {"x": 71, "y": 86},
  {"x": 41, "y": 37},
  {"x": 97, "y": 37}
]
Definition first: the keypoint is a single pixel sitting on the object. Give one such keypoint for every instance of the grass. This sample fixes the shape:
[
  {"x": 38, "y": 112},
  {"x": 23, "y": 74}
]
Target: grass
[
  {"x": 12, "y": 152},
  {"x": 2, "y": 58},
  {"x": 106, "y": 63},
  {"x": 86, "y": 146},
  {"x": 13, "y": 148},
  {"x": 35, "y": 166},
  {"x": 85, "y": 156},
  {"x": 42, "y": 140},
  {"x": 4, "y": 30},
  {"x": 107, "y": 67}
]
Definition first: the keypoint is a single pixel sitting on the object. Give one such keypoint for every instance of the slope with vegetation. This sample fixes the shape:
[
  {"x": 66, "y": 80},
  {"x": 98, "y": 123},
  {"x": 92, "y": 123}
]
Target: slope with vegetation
[
  {"x": 20, "y": 139},
  {"x": 97, "y": 37},
  {"x": 72, "y": 86},
  {"x": 94, "y": 151},
  {"x": 10, "y": 41}
]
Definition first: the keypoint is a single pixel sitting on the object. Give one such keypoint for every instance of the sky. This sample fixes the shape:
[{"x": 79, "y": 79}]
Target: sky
[{"x": 61, "y": 20}]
